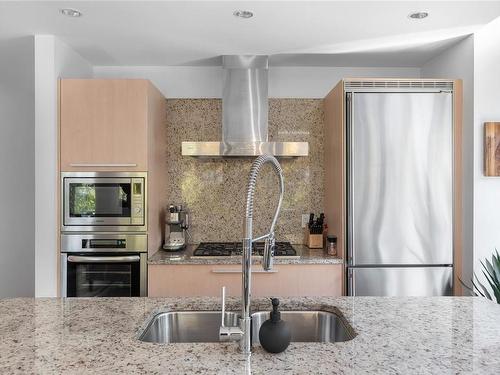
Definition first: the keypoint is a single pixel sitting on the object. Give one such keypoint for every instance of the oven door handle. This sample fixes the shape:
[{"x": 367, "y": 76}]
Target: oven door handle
[
  {"x": 103, "y": 165},
  {"x": 120, "y": 259}
]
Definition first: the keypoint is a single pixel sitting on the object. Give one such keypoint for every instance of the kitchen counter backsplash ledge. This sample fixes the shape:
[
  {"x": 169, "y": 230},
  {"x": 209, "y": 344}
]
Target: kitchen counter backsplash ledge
[{"x": 305, "y": 256}]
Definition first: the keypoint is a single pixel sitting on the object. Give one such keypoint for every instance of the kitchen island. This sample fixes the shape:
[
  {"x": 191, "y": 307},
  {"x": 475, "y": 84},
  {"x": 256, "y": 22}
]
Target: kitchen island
[{"x": 393, "y": 335}]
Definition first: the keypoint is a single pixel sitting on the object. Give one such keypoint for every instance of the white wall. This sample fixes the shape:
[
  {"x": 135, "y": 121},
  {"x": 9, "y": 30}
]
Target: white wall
[
  {"x": 458, "y": 62},
  {"x": 284, "y": 82},
  {"x": 17, "y": 168},
  {"x": 53, "y": 60},
  {"x": 486, "y": 108}
]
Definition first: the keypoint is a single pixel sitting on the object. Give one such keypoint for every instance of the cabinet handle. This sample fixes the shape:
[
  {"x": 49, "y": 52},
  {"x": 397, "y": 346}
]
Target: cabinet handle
[
  {"x": 239, "y": 271},
  {"x": 103, "y": 165}
]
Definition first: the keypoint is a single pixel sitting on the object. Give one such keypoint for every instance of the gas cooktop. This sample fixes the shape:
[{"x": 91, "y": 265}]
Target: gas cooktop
[{"x": 218, "y": 249}]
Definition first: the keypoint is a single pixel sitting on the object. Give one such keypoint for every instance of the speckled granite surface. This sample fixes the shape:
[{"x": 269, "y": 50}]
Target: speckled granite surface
[
  {"x": 394, "y": 336},
  {"x": 213, "y": 189},
  {"x": 306, "y": 256}
]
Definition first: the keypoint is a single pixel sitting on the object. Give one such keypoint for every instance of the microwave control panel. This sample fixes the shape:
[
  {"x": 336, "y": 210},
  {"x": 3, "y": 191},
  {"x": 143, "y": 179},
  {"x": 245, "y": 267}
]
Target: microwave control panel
[{"x": 138, "y": 193}]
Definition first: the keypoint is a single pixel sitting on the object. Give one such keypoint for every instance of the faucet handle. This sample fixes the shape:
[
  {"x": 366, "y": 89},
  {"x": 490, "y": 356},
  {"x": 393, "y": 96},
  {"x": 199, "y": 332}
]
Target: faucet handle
[
  {"x": 269, "y": 246},
  {"x": 228, "y": 333},
  {"x": 223, "y": 312}
]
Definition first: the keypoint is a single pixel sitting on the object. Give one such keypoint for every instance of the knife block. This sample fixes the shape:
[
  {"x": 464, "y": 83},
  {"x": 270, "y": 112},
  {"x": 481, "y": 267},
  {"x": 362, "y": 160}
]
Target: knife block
[{"x": 313, "y": 241}]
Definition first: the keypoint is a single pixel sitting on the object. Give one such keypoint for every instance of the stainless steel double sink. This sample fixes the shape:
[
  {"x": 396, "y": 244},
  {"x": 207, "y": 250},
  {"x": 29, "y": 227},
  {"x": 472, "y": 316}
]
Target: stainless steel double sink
[{"x": 203, "y": 326}]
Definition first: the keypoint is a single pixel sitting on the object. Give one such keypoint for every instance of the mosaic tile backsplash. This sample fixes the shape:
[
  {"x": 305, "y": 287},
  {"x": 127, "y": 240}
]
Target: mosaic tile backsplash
[{"x": 213, "y": 190}]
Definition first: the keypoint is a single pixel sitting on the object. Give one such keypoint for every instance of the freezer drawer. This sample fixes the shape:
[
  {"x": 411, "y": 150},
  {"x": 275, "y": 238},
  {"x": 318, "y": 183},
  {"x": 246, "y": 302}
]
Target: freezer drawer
[{"x": 400, "y": 281}]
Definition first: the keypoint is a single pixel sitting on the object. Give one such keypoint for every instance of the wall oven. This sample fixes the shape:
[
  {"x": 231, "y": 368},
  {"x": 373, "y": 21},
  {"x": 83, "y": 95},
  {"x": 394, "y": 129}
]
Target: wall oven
[
  {"x": 104, "y": 265},
  {"x": 103, "y": 201}
]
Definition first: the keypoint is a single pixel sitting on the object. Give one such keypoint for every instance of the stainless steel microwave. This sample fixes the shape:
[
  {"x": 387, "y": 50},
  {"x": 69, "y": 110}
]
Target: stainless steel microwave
[{"x": 104, "y": 201}]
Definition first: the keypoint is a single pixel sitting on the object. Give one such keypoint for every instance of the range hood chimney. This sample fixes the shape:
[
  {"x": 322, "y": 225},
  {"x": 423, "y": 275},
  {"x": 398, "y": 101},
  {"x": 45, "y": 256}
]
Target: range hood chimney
[{"x": 244, "y": 114}]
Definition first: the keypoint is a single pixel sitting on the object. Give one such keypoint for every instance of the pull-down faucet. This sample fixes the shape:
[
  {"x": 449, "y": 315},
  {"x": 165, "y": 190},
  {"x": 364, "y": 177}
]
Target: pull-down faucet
[{"x": 242, "y": 333}]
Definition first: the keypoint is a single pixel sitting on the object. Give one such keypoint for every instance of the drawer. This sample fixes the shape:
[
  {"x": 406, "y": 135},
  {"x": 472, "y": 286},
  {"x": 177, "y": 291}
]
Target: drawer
[{"x": 284, "y": 280}]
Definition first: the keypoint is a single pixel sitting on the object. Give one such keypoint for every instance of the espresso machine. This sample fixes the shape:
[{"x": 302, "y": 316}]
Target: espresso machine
[{"x": 176, "y": 226}]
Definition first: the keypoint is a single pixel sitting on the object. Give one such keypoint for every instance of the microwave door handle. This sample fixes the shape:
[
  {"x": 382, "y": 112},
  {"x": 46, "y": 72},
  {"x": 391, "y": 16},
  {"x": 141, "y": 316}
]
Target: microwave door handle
[{"x": 120, "y": 259}]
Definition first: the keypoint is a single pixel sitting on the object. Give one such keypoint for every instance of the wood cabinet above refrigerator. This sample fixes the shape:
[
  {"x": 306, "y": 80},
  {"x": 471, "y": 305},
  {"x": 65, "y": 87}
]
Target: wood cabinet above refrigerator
[{"x": 108, "y": 124}]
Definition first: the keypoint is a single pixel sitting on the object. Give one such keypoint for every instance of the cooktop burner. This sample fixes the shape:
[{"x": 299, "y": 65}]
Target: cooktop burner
[{"x": 210, "y": 249}]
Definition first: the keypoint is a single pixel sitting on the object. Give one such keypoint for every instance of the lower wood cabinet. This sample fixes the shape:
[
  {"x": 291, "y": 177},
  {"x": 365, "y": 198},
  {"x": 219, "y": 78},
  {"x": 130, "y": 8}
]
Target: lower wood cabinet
[{"x": 286, "y": 280}]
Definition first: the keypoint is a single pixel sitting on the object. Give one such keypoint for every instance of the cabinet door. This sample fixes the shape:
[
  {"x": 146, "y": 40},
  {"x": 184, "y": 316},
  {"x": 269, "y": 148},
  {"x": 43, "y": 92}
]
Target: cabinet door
[
  {"x": 103, "y": 125},
  {"x": 207, "y": 280}
]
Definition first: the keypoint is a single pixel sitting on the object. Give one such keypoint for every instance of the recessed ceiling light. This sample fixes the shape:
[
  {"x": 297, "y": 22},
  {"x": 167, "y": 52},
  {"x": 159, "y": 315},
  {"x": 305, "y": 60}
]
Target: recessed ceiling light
[
  {"x": 418, "y": 15},
  {"x": 243, "y": 14},
  {"x": 71, "y": 12}
]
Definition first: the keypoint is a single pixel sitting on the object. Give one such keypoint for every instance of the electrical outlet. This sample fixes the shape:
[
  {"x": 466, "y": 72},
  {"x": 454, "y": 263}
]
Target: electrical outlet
[{"x": 305, "y": 220}]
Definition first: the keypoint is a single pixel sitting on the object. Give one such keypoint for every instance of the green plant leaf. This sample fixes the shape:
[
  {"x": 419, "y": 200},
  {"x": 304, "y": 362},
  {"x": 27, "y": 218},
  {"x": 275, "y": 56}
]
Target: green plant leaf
[
  {"x": 494, "y": 287},
  {"x": 489, "y": 268},
  {"x": 496, "y": 264},
  {"x": 491, "y": 272},
  {"x": 485, "y": 291},
  {"x": 496, "y": 269},
  {"x": 468, "y": 288}
]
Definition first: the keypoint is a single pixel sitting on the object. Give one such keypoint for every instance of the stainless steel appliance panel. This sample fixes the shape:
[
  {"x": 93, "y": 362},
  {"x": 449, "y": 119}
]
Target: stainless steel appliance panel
[
  {"x": 308, "y": 326},
  {"x": 244, "y": 98},
  {"x": 104, "y": 264},
  {"x": 104, "y": 201},
  {"x": 104, "y": 275},
  {"x": 400, "y": 179},
  {"x": 186, "y": 326},
  {"x": 244, "y": 114},
  {"x": 400, "y": 281},
  {"x": 104, "y": 242}
]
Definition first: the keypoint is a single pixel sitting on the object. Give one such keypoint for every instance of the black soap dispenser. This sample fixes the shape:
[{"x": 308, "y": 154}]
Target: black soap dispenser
[{"x": 274, "y": 334}]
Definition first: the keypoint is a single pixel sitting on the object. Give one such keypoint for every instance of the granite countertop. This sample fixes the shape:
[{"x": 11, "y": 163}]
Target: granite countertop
[
  {"x": 440, "y": 335},
  {"x": 305, "y": 256}
]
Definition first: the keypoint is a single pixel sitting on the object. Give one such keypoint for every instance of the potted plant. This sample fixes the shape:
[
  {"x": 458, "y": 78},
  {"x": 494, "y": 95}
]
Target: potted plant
[{"x": 491, "y": 271}]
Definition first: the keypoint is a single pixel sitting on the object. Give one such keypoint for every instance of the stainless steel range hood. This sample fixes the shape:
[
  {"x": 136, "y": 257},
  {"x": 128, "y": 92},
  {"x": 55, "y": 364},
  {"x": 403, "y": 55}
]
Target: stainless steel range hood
[{"x": 244, "y": 114}]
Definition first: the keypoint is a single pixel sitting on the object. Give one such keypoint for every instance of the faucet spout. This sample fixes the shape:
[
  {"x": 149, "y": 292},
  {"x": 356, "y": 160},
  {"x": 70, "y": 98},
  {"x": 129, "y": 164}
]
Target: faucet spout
[
  {"x": 242, "y": 334},
  {"x": 257, "y": 165},
  {"x": 252, "y": 180}
]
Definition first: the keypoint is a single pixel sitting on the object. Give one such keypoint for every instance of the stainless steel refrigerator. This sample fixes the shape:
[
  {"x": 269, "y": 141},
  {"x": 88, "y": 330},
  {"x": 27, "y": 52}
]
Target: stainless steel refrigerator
[{"x": 400, "y": 193}]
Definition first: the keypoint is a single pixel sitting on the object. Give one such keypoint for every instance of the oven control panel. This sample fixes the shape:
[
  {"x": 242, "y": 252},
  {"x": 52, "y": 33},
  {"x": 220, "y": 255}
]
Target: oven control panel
[{"x": 100, "y": 242}]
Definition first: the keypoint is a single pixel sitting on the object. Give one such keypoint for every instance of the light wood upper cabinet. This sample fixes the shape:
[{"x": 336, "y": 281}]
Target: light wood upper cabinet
[
  {"x": 116, "y": 125},
  {"x": 104, "y": 124}
]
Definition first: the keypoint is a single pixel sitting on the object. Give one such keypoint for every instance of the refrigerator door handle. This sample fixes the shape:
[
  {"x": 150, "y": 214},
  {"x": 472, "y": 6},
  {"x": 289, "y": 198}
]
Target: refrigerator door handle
[
  {"x": 350, "y": 174},
  {"x": 350, "y": 282}
]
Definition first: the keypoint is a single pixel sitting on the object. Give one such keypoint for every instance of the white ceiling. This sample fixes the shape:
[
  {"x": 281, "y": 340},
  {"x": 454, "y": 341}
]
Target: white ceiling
[{"x": 307, "y": 33}]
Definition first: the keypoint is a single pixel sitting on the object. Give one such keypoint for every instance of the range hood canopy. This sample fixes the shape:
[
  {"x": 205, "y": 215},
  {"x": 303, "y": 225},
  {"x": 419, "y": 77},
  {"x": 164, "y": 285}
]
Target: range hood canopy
[{"x": 245, "y": 114}]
